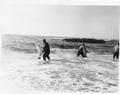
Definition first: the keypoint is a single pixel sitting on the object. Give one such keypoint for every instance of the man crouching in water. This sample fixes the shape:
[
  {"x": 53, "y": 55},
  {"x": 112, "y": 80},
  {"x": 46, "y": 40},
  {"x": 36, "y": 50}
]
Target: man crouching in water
[
  {"x": 46, "y": 50},
  {"x": 82, "y": 51}
]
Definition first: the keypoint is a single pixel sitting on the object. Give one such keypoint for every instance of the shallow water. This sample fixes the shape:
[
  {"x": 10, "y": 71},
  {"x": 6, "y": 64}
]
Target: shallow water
[
  {"x": 66, "y": 73},
  {"x": 22, "y": 71}
]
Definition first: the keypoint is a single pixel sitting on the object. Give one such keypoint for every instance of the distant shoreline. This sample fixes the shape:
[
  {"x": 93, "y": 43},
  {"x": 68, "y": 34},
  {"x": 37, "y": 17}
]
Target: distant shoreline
[
  {"x": 60, "y": 37},
  {"x": 24, "y": 43}
]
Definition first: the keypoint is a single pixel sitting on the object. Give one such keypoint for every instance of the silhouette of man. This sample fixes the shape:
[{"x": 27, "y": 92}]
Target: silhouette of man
[
  {"x": 116, "y": 51},
  {"x": 46, "y": 50},
  {"x": 82, "y": 51}
]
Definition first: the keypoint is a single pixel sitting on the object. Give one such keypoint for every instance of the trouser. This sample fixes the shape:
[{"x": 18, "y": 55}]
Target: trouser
[
  {"x": 116, "y": 54},
  {"x": 80, "y": 53},
  {"x": 46, "y": 55}
]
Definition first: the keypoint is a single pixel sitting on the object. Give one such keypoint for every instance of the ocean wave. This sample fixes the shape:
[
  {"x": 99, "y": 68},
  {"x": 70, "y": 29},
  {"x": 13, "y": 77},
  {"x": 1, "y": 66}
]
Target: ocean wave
[{"x": 25, "y": 44}]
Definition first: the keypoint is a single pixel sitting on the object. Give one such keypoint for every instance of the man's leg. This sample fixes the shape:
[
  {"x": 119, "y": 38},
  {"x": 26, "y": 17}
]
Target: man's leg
[
  {"x": 48, "y": 57},
  {"x": 78, "y": 54},
  {"x": 114, "y": 55},
  {"x": 44, "y": 56},
  {"x": 82, "y": 54},
  {"x": 117, "y": 55}
]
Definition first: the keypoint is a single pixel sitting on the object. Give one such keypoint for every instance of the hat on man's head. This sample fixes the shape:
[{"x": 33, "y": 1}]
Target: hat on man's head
[
  {"x": 83, "y": 44},
  {"x": 44, "y": 40}
]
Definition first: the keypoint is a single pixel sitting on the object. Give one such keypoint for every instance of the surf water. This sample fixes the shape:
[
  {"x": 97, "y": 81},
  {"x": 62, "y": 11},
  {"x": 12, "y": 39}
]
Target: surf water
[{"x": 65, "y": 72}]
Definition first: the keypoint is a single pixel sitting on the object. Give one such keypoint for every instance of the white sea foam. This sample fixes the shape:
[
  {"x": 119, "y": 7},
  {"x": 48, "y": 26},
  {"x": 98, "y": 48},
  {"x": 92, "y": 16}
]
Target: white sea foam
[{"x": 65, "y": 72}]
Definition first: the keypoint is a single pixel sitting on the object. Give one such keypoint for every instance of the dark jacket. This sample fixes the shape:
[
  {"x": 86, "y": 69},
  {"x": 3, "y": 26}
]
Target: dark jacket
[{"x": 46, "y": 48}]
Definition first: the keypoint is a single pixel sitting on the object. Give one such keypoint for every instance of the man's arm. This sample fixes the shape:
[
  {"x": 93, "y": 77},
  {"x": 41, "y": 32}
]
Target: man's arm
[{"x": 85, "y": 49}]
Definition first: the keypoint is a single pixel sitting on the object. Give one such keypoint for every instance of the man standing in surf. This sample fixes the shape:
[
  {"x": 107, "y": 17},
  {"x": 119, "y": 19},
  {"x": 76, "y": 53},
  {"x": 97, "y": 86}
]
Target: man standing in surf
[
  {"x": 82, "y": 51},
  {"x": 116, "y": 52},
  {"x": 46, "y": 50}
]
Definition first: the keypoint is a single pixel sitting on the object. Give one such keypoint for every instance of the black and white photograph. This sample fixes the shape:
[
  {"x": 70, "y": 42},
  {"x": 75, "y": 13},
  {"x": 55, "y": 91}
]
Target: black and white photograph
[{"x": 59, "y": 48}]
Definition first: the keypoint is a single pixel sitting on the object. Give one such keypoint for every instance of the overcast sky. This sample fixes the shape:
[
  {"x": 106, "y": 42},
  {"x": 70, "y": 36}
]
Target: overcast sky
[{"x": 59, "y": 20}]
